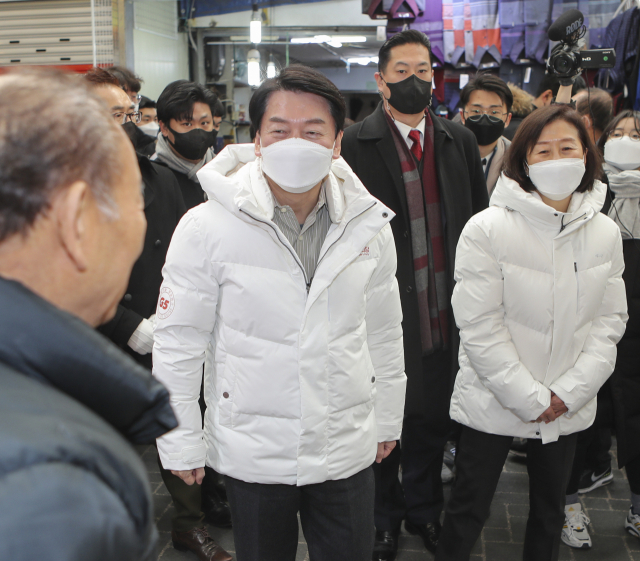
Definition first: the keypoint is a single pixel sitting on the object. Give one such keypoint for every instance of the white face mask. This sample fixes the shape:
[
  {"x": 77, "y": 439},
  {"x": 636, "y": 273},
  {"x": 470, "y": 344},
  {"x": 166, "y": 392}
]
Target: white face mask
[
  {"x": 557, "y": 179},
  {"x": 295, "y": 164},
  {"x": 150, "y": 129},
  {"x": 622, "y": 153}
]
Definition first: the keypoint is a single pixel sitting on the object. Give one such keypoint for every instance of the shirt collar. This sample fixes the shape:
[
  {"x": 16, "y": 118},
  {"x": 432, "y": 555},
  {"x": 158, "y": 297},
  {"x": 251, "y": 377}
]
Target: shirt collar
[
  {"x": 406, "y": 129},
  {"x": 322, "y": 199}
]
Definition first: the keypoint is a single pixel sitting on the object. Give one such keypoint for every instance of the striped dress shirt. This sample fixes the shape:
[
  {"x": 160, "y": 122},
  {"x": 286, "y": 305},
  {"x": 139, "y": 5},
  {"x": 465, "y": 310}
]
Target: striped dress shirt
[{"x": 306, "y": 239}]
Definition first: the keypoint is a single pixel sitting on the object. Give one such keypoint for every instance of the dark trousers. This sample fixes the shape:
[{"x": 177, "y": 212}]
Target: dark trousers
[
  {"x": 187, "y": 502},
  {"x": 480, "y": 458},
  {"x": 633, "y": 474},
  {"x": 336, "y": 518},
  {"x": 419, "y": 498},
  {"x": 592, "y": 453}
]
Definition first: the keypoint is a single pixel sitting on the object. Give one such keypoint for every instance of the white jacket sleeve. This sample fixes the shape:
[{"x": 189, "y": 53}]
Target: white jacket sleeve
[
  {"x": 580, "y": 384},
  {"x": 384, "y": 339},
  {"x": 185, "y": 319},
  {"x": 479, "y": 313}
]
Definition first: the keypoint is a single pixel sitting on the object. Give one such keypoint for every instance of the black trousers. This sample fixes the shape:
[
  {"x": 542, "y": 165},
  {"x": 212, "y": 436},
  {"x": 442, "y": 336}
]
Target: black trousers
[
  {"x": 480, "y": 458},
  {"x": 187, "y": 502},
  {"x": 633, "y": 473},
  {"x": 336, "y": 518},
  {"x": 419, "y": 498}
]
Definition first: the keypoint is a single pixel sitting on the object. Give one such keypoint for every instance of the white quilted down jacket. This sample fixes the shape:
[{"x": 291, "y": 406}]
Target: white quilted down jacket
[
  {"x": 540, "y": 303},
  {"x": 300, "y": 383}
]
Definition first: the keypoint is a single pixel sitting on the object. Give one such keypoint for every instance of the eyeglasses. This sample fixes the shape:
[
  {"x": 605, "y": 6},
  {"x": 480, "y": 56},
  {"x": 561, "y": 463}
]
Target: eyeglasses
[
  {"x": 476, "y": 112},
  {"x": 121, "y": 117},
  {"x": 634, "y": 135}
]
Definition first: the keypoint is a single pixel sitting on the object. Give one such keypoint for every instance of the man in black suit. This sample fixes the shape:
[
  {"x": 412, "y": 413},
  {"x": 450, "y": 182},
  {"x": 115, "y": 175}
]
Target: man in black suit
[{"x": 428, "y": 171}]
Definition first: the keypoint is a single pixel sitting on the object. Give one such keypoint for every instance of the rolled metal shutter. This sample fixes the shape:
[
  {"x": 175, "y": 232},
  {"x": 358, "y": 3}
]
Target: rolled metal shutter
[{"x": 56, "y": 32}]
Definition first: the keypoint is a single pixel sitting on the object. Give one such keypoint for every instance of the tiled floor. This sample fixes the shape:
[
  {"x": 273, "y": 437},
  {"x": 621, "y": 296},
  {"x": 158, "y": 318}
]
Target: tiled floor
[{"x": 501, "y": 539}]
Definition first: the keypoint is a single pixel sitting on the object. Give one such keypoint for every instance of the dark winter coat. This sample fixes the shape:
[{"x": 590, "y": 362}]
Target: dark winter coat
[
  {"x": 368, "y": 147},
  {"x": 625, "y": 380},
  {"x": 71, "y": 487},
  {"x": 192, "y": 192},
  {"x": 163, "y": 208}
]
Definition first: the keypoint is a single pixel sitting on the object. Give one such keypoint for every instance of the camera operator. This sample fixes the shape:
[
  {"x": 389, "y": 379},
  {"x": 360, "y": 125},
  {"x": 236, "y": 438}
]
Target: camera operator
[{"x": 568, "y": 58}]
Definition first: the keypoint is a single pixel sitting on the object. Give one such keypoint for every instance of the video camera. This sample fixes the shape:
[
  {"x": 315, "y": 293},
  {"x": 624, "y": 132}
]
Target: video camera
[{"x": 567, "y": 60}]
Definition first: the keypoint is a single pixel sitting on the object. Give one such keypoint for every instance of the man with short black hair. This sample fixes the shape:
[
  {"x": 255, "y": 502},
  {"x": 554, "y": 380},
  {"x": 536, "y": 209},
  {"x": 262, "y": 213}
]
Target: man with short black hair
[
  {"x": 549, "y": 88},
  {"x": 188, "y": 127},
  {"x": 148, "y": 126},
  {"x": 283, "y": 285},
  {"x": 428, "y": 171},
  {"x": 485, "y": 109},
  {"x": 71, "y": 227}
]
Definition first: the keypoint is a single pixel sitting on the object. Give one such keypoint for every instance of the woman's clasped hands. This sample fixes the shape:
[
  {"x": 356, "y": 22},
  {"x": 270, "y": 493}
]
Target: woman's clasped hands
[{"x": 554, "y": 411}]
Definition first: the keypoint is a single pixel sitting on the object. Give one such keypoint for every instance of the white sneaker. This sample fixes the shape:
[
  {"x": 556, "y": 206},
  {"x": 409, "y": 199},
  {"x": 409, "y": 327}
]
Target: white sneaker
[
  {"x": 632, "y": 524},
  {"x": 575, "y": 533}
]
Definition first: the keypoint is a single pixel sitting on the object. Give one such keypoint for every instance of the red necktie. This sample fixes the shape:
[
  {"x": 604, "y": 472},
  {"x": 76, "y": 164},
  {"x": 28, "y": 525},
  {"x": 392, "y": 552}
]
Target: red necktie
[{"x": 416, "y": 149}]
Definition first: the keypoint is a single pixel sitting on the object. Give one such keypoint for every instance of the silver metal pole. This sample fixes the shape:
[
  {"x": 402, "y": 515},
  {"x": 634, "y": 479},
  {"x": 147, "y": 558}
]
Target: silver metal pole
[{"x": 93, "y": 33}]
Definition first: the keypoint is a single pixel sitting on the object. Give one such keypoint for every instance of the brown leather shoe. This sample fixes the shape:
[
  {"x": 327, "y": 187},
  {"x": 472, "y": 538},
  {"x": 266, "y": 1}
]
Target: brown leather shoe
[{"x": 201, "y": 543}]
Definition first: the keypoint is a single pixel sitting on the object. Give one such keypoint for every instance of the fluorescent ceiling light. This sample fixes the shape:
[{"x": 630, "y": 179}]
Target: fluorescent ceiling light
[
  {"x": 271, "y": 69},
  {"x": 333, "y": 40},
  {"x": 363, "y": 60},
  {"x": 253, "y": 67},
  {"x": 255, "y": 31}
]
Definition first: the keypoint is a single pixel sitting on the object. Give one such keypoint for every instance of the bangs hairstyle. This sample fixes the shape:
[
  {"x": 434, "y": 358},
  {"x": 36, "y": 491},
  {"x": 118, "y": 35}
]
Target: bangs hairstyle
[
  {"x": 626, "y": 114},
  {"x": 527, "y": 136},
  {"x": 487, "y": 83},
  {"x": 303, "y": 79},
  {"x": 177, "y": 99}
]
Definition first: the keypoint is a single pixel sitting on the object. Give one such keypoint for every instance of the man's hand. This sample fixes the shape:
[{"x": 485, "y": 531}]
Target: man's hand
[
  {"x": 384, "y": 449},
  {"x": 190, "y": 476}
]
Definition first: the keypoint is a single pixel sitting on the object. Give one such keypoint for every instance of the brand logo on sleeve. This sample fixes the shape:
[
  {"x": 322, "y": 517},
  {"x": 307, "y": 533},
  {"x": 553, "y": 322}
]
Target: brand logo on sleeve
[
  {"x": 166, "y": 303},
  {"x": 365, "y": 252}
]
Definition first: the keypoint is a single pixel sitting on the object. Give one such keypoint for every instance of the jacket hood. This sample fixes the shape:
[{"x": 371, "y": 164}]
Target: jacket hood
[
  {"x": 582, "y": 208},
  {"x": 49, "y": 345},
  {"x": 235, "y": 179}
]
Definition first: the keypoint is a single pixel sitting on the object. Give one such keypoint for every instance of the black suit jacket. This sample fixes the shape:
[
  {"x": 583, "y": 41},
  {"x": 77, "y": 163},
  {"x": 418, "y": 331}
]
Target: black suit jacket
[{"x": 369, "y": 149}]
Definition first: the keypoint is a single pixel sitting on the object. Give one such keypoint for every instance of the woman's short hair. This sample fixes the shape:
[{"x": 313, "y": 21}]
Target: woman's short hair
[
  {"x": 626, "y": 114},
  {"x": 527, "y": 136}
]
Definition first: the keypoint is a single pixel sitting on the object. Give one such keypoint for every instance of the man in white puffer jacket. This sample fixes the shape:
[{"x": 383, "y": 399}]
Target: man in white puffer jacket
[{"x": 284, "y": 281}]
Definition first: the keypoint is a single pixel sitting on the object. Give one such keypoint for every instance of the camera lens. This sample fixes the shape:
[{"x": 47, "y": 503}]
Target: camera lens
[{"x": 564, "y": 64}]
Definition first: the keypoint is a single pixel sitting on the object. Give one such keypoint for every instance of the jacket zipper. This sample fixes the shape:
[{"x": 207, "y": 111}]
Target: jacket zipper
[
  {"x": 343, "y": 231},
  {"x": 563, "y": 225},
  {"x": 293, "y": 254},
  {"x": 309, "y": 281}
]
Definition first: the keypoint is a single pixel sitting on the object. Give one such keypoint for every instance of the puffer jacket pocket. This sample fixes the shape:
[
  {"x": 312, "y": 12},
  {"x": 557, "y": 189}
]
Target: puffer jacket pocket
[{"x": 226, "y": 389}]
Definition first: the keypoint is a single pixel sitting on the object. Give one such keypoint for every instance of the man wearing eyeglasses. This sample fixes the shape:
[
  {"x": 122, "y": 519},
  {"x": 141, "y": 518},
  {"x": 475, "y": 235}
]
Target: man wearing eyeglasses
[{"x": 486, "y": 110}]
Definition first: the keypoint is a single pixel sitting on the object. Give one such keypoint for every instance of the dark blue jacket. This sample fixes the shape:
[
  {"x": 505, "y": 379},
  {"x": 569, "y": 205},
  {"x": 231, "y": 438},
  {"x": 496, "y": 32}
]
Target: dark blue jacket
[{"x": 71, "y": 487}]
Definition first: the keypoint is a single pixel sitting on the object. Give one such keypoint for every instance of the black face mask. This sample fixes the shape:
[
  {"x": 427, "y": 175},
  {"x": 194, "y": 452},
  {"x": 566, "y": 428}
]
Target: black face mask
[
  {"x": 131, "y": 130},
  {"x": 487, "y": 129},
  {"x": 193, "y": 145},
  {"x": 410, "y": 96}
]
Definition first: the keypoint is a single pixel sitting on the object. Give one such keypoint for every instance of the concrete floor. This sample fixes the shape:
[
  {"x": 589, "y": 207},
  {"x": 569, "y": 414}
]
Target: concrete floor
[{"x": 501, "y": 538}]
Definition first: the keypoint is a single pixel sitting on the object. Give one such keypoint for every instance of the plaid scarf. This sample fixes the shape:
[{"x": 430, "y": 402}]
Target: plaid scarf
[{"x": 427, "y": 238}]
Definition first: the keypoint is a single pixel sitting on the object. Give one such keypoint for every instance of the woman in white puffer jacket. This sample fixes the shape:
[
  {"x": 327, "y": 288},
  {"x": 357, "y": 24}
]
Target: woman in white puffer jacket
[{"x": 540, "y": 303}]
